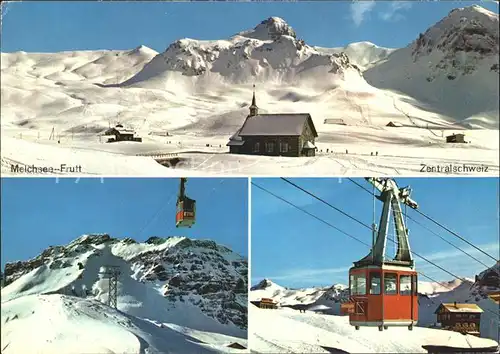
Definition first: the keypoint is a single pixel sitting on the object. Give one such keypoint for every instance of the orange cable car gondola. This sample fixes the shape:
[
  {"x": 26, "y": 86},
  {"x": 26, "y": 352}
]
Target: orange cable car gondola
[
  {"x": 383, "y": 292},
  {"x": 186, "y": 208}
]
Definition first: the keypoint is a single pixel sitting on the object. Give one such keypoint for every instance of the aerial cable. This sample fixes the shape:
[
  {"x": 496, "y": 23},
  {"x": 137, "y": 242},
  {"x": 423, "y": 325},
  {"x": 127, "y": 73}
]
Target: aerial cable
[
  {"x": 325, "y": 202},
  {"x": 442, "y": 238},
  {"x": 457, "y": 235},
  {"x": 445, "y": 240},
  {"x": 345, "y": 233},
  {"x": 310, "y": 214},
  {"x": 360, "y": 241}
]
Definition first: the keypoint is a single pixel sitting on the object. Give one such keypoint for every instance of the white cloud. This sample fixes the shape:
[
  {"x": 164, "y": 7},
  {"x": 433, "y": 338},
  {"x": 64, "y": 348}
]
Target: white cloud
[
  {"x": 359, "y": 10},
  {"x": 392, "y": 13}
]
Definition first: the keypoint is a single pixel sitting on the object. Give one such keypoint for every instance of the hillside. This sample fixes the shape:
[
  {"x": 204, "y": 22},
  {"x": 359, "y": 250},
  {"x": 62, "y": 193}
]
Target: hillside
[
  {"x": 189, "y": 99},
  {"x": 288, "y": 331},
  {"x": 193, "y": 288},
  {"x": 327, "y": 300},
  {"x": 452, "y": 67}
]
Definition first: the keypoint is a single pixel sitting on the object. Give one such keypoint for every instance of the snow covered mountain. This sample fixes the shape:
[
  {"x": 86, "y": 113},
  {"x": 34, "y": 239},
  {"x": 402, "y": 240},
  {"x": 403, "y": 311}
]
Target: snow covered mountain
[
  {"x": 327, "y": 300},
  {"x": 452, "y": 67},
  {"x": 55, "y": 106},
  {"x": 191, "y": 287},
  {"x": 270, "y": 53}
]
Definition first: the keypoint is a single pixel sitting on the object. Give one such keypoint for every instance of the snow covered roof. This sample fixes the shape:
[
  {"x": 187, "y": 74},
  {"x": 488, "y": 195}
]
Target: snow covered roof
[
  {"x": 394, "y": 124},
  {"x": 338, "y": 121},
  {"x": 113, "y": 131},
  {"x": 470, "y": 308},
  {"x": 236, "y": 136},
  {"x": 235, "y": 143},
  {"x": 309, "y": 145},
  {"x": 235, "y": 139},
  {"x": 291, "y": 124}
]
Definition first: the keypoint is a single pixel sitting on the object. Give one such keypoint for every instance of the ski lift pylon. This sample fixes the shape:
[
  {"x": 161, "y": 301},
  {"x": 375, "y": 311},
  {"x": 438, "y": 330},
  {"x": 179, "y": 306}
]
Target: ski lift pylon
[{"x": 383, "y": 292}]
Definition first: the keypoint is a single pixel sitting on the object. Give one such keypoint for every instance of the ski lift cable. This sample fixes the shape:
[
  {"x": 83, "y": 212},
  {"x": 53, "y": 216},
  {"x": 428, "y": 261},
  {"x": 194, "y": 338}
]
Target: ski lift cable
[
  {"x": 362, "y": 242},
  {"x": 413, "y": 252},
  {"x": 445, "y": 240},
  {"x": 456, "y": 235},
  {"x": 325, "y": 202},
  {"x": 310, "y": 214},
  {"x": 157, "y": 213},
  {"x": 437, "y": 223}
]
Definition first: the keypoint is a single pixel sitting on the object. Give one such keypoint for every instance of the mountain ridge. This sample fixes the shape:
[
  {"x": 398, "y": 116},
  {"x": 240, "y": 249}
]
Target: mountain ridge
[{"x": 181, "y": 275}]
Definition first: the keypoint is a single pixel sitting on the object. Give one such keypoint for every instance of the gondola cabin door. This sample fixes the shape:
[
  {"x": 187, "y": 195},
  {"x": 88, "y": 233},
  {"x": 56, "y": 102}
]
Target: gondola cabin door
[{"x": 186, "y": 213}]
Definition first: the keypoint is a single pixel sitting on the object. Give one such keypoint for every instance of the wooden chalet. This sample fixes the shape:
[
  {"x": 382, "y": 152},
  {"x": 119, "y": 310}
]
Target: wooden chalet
[
  {"x": 282, "y": 134},
  {"x": 121, "y": 134},
  {"x": 394, "y": 124},
  {"x": 337, "y": 121},
  {"x": 463, "y": 318},
  {"x": 266, "y": 303},
  {"x": 455, "y": 138}
]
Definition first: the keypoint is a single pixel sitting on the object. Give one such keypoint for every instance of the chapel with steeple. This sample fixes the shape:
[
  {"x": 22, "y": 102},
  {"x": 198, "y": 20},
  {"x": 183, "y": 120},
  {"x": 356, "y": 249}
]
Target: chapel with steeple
[{"x": 282, "y": 134}]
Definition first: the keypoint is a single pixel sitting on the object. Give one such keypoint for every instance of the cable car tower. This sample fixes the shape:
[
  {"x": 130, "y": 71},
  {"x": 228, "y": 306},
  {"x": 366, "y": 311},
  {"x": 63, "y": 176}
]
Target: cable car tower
[
  {"x": 383, "y": 292},
  {"x": 186, "y": 207}
]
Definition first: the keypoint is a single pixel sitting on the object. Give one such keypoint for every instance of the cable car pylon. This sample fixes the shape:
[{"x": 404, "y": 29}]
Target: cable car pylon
[
  {"x": 383, "y": 292},
  {"x": 186, "y": 207}
]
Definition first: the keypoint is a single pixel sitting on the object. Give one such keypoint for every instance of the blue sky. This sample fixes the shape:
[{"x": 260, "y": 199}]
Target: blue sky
[
  {"x": 295, "y": 250},
  {"x": 42, "y": 26},
  {"x": 38, "y": 212}
]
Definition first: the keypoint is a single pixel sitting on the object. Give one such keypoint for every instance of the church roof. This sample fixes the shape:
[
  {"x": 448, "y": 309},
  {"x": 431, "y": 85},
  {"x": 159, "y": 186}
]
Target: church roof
[
  {"x": 290, "y": 124},
  {"x": 235, "y": 139}
]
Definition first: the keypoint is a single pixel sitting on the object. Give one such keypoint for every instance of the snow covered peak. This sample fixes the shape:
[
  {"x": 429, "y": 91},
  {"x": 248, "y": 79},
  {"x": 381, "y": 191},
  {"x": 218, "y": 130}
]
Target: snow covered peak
[
  {"x": 476, "y": 9},
  {"x": 263, "y": 284},
  {"x": 270, "y": 53},
  {"x": 143, "y": 50},
  {"x": 157, "y": 277},
  {"x": 270, "y": 29},
  {"x": 470, "y": 29}
]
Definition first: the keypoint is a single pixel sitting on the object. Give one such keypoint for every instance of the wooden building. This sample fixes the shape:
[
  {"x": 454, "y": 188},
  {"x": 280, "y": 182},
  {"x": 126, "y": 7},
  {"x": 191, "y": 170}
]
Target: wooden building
[
  {"x": 283, "y": 134},
  {"x": 394, "y": 124},
  {"x": 121, "y": 134},
  {"x": 455, "y": 138},
  {"x": 265, "y": 303},
  {"x": 337, "y": 121},
  {"x": 463, "y": 318}
]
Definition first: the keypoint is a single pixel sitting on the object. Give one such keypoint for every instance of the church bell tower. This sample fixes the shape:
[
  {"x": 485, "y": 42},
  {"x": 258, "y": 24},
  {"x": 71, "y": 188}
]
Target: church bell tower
[{"x": 254, "y": 110}]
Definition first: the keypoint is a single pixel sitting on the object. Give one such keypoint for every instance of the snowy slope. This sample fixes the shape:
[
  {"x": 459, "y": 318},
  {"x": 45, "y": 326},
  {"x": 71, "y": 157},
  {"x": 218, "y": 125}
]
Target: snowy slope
[
  {"x": 288, "y": 331},
  {"x": 55, "y": 106},
  {"x": 327, "y": 300},
  {"x": 192, "y": 283},
  {"x": 362, "y": 54},
  {"x": 452, "y": 67},
  {"x": 66, "y": 324},
  {"x": 270, "y": 53}
]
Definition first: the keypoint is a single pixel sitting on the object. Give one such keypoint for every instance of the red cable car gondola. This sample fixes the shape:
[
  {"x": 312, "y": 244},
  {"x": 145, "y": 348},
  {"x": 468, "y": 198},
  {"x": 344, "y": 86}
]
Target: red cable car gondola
[
  {"x": 185, "y": 215},
  {"x": 383, "y": 292}
]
